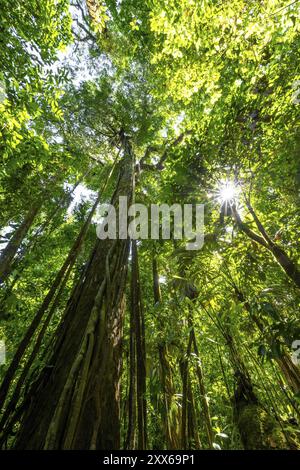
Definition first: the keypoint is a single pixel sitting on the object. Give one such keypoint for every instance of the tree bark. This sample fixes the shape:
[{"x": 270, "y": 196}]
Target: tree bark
[
  {"x": 74, "y": 404},
  {"x": 70, "y": 260},
  {"x": 258, "y": 429},
  {"x": 204, "y": 404},
  {"x": 130, "y": 438},
  {"x": 184, "y": 369},
  {"x": 171, "y": 420},
  {"x": 137, "y": 308},
  {"x": 193, "y": 434},
  {"x": 15, "y": 242}
]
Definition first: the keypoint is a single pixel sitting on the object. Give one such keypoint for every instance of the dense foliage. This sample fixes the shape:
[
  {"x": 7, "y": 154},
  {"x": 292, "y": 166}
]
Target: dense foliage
[{"x": 147, "y": 345}]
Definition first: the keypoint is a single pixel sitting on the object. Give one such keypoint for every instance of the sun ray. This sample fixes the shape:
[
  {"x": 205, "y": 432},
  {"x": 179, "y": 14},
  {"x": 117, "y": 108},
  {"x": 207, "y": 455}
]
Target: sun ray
[{"x": 227, "y": 192}]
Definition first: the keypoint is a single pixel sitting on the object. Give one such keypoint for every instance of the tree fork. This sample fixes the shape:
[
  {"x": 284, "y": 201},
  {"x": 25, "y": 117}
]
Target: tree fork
[{"x": 279, "y": 254}]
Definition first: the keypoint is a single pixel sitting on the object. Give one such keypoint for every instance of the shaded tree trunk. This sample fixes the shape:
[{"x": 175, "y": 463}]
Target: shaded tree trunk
[
  {"x": 258, "y": 429},
  {"x": 189, "y": 432},
  {"x": 193, "y": 434},
  {"x": 69, "y": 262},
  {"x": 9, "y": 252},
  {"x": 184, "y": 369},
  {"x": 204, "y": 404},
  {"x": 171, "y": 419},
  {"x": 130, "y": 437},
  {"x": 74, "y": 404},
  {"x": 138, "y": 332},
  {"x": 192, "y": 293}
]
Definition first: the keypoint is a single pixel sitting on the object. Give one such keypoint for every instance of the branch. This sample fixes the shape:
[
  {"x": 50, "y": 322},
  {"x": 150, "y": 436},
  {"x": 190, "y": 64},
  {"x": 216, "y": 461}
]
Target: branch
[
  {"x": 160, "y": 165},
  {"x": 258, "y": 223},
  {"x": 176, "y": 142},
  {"x": 254, "y": 236},
  {"x": 283, "y": 8},
  {"x": 84, "y": 17},
  {"x": 150, "y": 149},
  {"x": 78, "y": 38},
  {"x": 96, "y": 160},
  {"x": 89, "y": 34}
]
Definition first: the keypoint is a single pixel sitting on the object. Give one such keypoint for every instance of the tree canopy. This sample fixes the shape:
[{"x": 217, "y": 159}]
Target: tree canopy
[{"x": 143, "y": 344}]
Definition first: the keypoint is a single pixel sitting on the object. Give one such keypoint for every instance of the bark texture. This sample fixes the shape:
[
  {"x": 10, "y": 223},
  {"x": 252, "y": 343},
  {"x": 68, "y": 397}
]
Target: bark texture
[{"x": 75, "y": 402}]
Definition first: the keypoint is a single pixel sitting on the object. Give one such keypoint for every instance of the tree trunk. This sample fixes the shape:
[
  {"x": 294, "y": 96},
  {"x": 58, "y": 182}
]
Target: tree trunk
[
  {"x": 130, "y": 438},
  {"x": 156, "y": 286},
  {"x": 171, "y": 419},
  {"x": 258, "y": 429},
  {"x": 8, "y": 418},
  {"x": 74, "y": 404},
  {"x": 15, "y": 242},
  {"x": 138, "y": 314},
  {"x": 290, "y": 372},
  {"x": 193, "y": 434},
  {"x": 204, "y": 404},
  {"x": 184, "y": 369},
  {"x": 70, "y": 260}
]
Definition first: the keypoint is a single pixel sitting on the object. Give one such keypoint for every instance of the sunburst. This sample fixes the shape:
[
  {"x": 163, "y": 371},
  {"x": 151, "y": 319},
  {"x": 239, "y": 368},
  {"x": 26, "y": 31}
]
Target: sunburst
[{"x": 227, "y": 192}]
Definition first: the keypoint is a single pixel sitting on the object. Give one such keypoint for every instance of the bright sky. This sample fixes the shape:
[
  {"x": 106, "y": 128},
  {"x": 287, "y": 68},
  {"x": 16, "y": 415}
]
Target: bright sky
[{"x": 81, "y": 193}]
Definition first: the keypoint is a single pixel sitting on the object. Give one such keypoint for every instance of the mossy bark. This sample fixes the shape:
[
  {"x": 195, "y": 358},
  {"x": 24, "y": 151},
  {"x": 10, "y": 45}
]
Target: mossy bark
[
  {"x": 75, "y": 402},
  {"x": 259, "y": 430}
]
